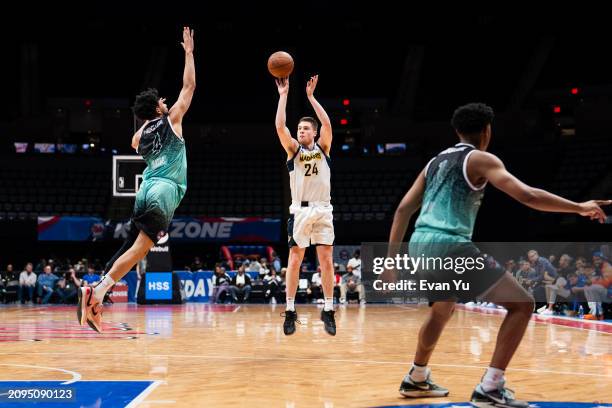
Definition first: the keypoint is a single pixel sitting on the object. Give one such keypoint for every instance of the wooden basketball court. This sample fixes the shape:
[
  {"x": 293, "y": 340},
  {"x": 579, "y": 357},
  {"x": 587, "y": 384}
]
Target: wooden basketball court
[{"x": 200, "y": 355}]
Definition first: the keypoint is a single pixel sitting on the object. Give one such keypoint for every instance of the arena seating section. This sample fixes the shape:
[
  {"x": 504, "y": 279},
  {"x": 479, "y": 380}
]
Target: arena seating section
[{"x": 245, "y": 183}]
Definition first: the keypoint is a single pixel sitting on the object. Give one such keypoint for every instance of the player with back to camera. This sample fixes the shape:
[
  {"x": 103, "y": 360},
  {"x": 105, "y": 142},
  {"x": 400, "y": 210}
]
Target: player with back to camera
[
  {"x": 161, "y": 144},
  {"x": 311, "y": 221},
  {"x": 449, "y": 191}
]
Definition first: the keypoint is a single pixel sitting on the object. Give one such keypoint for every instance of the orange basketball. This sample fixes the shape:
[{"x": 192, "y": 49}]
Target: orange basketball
[{"x": 280, "y": 64}]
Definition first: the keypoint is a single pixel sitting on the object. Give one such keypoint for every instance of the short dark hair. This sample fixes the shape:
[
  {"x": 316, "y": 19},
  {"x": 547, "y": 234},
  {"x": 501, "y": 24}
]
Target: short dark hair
[
  {"x": 312, "y": 121},
  {"x": 471, "y": 119},
  {"x": 145, "y": 106}
]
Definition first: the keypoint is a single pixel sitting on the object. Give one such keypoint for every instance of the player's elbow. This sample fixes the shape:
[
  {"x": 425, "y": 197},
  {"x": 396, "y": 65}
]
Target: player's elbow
[
  {"x": 403, "y": 210},
  {"x": 528, "y": 196}
]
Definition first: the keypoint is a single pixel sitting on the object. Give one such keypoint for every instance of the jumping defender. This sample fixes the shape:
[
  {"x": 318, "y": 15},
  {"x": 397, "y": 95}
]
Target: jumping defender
[
  {"x": 449, "y": 191},
  {"x": 161, "y": 144},
  {"x": 311, "y": 218}
]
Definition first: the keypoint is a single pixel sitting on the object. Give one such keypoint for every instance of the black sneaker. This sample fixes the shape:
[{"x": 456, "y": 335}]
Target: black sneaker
[
  {"x": 329, "y": 322},
  {"x": 422, "y": 389},
  {"x": 501, "y": 397},
  {"x": 290, "y": 319}
]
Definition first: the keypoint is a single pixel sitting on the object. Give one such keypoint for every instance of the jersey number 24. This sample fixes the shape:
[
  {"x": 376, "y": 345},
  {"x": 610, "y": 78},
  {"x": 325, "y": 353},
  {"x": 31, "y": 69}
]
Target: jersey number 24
[{"x": 311, "y": 169}]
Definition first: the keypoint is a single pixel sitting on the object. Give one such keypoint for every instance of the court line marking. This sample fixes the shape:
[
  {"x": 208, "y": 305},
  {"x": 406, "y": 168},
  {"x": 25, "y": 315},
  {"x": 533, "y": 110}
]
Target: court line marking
[
  {"x": 144, "y": 394},
  {"x": 543, "y": 320},
  {"x": 319, "y": 360},
  {"x": 534, "y": 318},
  {"x": 75, "y": 376}
]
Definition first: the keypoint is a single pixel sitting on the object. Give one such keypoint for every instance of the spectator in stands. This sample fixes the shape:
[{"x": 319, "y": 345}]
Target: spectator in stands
[
  {"x": 564, "y": 294},
  {"x": 596, "y": 289},
  {"x": 545, "y": 274},
  {"x": 241, "y": 285},
  {"x": 221, "y": 283},
  {"x": 273, "y": 286},
  {"x": 265, "y": 267},
  {"x": 46, "y": 284},
  {"x": 90, "y": 278},
  {"x": 66, "y": 287},
  {"x": 524, "y": 274},
  {"x": 600, "y": 263},
  {"x": 254, "y": 266},
  {"x": 27, "y": 283},
  {"x": 78, "y": 282},
  {"x": 355, "y": 263},
  {"x": 276, "y": 261},
  {"x": 351, "y": 283},
  {"x": 196, "y": 265},
  {"x": 559, "y": 287},
  {"x": 581, "y": 265},
  {"x": 566, "y": 265},
  {"x": 79, "y": 266},
  {"x": 552, "y": 259},
  {"x": 315, "y": 291},
  {"x": 9, "y": 283},
  {"x": 510, "y": 267},
  {"x": 51, "y": 262}
]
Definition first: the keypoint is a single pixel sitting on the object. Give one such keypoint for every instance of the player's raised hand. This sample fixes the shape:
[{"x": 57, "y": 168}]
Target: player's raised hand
[
  {"x": 187, "y": 39},
  {"x": 592, "y": 209},
  {"x": 311, "y": 85},
  {"x": 283, "y": 86}
]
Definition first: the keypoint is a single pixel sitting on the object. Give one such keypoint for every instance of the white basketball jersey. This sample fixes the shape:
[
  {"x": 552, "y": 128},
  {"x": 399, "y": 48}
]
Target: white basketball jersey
[{"x": 310, "y": 175}]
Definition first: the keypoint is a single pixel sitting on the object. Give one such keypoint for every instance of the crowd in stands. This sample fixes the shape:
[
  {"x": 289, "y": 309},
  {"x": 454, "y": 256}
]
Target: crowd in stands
[
  {"x": 48, "y": 282},
  {"x": 566, "y": 285},
  {"x": 266, "y": 280}
]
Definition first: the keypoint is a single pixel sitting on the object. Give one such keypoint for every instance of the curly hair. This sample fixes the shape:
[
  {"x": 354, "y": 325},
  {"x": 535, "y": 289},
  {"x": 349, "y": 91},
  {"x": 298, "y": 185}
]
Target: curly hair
[
  {"x": 471, "y": 119},
  {"x": 145, "y": 106}
]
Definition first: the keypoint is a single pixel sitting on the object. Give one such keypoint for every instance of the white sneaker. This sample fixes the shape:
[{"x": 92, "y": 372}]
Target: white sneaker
[
  {"x": 470, "y": 304},
  {"x": 362, "y": 302},
  {"x": 342, "y": 301},
  {"x": 543, "y": 308},
  {"x": 547, "y": 312}
]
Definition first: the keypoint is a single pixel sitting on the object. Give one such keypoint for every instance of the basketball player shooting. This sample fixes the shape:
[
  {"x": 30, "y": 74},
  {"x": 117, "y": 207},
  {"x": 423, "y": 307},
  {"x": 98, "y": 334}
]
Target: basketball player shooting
[
  {"x": 161, "y": 144},
  {"x": 449, "y": 192},
  {"x": 310, "y": 214}
]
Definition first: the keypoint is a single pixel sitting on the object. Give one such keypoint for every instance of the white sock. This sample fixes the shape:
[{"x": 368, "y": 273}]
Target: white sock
[
  {"x": 105, "y": 284},
  {"x": 329, "y": 304},
  {"x": 290, "y": 304},
  {"x": 418, "y": 373},
  {"x": 491, "y": 379},
  {"x": 593, "y": 308}
]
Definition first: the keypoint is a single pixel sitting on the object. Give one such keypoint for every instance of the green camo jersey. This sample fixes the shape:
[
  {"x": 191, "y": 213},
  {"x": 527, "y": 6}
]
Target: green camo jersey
[
  {"x": 164, "y": 152},
  {"x": 451, "y": 202}
]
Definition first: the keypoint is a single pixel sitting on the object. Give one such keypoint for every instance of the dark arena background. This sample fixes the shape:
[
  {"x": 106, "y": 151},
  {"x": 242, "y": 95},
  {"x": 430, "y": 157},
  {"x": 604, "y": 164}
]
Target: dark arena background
[{"x": 390, "y": 82}]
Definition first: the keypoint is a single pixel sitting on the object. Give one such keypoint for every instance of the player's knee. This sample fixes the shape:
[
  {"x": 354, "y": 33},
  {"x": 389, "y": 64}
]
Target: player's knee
[
  {"x": 523, "y": 306},
  {"x": 294, "y": 262},
  {"x": 442, "y": 310}
]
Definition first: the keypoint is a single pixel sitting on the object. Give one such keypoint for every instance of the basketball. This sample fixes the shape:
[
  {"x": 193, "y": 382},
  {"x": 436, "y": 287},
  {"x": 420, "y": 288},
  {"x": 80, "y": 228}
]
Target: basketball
[{"x": 280, "y": 64}]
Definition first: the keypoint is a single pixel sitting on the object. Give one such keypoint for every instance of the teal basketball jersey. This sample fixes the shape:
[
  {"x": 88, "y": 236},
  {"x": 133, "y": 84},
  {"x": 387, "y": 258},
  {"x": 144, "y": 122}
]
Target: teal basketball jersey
[
  {"x": 450, "y": 203},
  {"x": 164, "y": 152}
]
